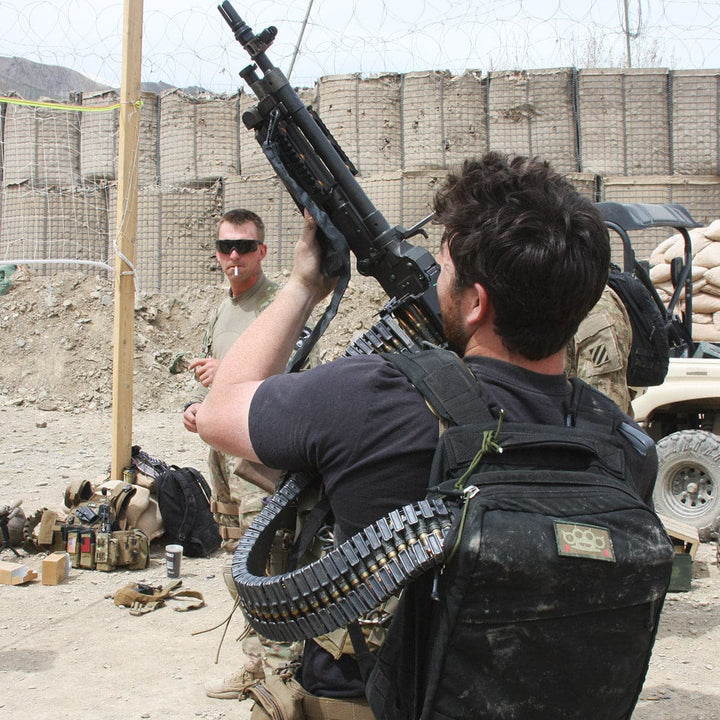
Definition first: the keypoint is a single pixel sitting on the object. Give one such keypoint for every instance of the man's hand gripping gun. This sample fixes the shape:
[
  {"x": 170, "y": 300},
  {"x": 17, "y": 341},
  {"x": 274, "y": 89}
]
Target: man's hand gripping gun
[{"x": 319, "y": 176}]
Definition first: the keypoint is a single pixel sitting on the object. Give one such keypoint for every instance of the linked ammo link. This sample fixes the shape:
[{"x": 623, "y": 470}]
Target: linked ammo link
[
  {"x": 350, "y": 581},
  {"x": 402, "y": 327}
]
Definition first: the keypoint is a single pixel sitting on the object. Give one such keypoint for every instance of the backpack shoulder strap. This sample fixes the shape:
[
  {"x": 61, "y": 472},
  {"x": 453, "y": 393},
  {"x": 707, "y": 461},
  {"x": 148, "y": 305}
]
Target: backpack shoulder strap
[
  {"x": 592, "y": 411},
  {"x": 446, "y": 383}
]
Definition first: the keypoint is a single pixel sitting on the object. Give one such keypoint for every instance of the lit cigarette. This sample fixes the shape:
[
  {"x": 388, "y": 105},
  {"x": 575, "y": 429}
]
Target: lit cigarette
[{"x": 236, "y": 271}]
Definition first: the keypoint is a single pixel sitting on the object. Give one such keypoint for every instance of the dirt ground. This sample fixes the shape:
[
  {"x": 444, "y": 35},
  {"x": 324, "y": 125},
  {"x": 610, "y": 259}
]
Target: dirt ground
[{"x": 67, "y": 650}]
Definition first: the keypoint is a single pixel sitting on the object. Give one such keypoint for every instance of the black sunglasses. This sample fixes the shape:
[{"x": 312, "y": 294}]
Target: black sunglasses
[{"x": 241, "y": 247}]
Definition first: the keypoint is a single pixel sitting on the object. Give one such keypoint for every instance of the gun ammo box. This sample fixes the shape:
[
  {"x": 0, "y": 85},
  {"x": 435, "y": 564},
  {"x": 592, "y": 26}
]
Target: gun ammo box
[{"x": 685, "y": 539}]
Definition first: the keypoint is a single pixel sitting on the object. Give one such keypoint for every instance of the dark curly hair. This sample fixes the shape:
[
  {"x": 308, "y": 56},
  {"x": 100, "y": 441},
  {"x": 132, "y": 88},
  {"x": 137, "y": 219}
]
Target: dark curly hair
[{"x": 540, "y": 249}]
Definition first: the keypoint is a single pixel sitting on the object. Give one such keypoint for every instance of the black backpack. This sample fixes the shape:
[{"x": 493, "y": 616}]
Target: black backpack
[
  {"x": 183, "y": 496},
  {"x": 654, "y": 330},
  {"x": 549, "y": 602}
]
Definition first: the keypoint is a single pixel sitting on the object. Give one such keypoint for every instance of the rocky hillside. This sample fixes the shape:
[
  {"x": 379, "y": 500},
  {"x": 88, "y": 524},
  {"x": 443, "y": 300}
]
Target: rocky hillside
[{"x": 57, "y": 334}]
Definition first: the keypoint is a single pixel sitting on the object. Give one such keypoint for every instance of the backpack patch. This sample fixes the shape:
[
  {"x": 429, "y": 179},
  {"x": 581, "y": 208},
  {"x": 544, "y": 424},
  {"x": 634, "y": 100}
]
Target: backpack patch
[{"x": 585, "y": 541}]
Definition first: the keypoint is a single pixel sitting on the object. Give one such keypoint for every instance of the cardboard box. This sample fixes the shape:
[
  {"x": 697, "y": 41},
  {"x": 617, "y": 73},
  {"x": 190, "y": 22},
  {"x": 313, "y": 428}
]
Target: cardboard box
[
  {"x": 55, "y": 568},
  {"x": 15, "y": 574}
]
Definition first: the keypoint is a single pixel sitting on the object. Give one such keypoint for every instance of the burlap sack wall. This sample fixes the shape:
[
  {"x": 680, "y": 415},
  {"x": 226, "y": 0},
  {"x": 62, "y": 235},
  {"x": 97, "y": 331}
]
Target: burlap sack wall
[
  {"x": 623, "y": 120},
  {"x": 364, "y": 117},
  {"x": 465, "y": 125},
  {"x": 3, "y": 113},
  {"x": 695, "y": 111},
  {"x": 443, "y": 118},
  {"x": 700, "y": 195},
  {"x": 22, "y": 222},
  {"x": 587, "y": 184},
  {"x": 705, "y": 243},
  {"x": 531, "y": 113},
  {"x": 198, "y": 137},
  {"x": 338, "y": 106},
  {"x": 404, "y": 133},
  {"x": 99, "y": 138},
  {"x": 56, "y": 223},
  {"x": 601, "y": 121},
  {"x": 42, "y": 147},
  {"x": 148, "y": 140},
  {"x": 422, "y": 112},
  {"x": 379, "y": 125}
]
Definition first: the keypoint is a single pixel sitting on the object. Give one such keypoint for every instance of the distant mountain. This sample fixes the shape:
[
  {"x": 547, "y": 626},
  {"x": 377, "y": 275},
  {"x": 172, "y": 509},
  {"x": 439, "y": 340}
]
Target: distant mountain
[{"x": 32, "y": 81}]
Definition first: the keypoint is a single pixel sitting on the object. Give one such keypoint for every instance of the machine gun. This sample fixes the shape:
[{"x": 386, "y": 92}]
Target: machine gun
[
  {"x": 319, "y": 176},
  {"x": 364, "y": 571}
]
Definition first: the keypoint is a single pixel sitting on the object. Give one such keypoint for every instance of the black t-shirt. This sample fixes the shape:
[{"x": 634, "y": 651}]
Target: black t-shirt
[{"x": 371, "y": 435}]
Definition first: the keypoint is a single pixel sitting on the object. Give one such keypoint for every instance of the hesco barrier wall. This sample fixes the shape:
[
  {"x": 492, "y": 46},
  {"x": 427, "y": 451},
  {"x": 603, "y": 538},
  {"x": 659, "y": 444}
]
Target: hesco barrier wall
[{"x": 625, "y": 135}]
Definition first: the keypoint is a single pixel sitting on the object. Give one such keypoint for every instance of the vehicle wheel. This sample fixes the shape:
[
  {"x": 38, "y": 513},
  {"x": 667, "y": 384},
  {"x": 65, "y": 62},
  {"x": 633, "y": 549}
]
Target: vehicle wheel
[{"x": 688, "y": 481}]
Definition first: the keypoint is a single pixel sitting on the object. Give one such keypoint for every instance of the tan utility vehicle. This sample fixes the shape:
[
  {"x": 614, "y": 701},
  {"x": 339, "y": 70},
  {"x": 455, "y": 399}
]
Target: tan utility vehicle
[{"x": 682, "y": 415}]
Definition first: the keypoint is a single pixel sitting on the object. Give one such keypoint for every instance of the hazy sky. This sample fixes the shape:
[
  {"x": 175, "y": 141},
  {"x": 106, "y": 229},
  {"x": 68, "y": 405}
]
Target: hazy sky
[{"x": 186, "y": 42}]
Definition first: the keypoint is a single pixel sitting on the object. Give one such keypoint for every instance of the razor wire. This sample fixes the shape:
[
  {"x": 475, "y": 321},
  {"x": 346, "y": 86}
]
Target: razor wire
[{"x": 185, "y": 44}]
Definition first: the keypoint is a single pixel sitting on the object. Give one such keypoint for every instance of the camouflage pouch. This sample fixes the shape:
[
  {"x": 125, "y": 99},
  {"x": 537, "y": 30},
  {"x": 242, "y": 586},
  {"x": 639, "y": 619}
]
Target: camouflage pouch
[
  {"x": 130, "y": 548},
  {"x": 122, "y": 548},
  {"x": 277, "y": 697}
]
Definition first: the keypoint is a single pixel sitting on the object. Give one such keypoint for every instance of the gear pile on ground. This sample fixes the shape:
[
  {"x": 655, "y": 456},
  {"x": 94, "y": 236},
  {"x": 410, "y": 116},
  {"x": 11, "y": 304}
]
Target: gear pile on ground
[
  {"x": 57, "y": 337},
  {"x": 705, "y": 277}
]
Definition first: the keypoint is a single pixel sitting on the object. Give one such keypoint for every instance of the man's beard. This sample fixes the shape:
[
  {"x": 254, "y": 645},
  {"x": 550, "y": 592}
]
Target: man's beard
[{"x": 455, "y": 333}]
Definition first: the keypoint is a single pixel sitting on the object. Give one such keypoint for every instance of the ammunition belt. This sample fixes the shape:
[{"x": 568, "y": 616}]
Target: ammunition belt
[
  {"x": 402, "y": 327},
  {"x": 348, "y": 582}
]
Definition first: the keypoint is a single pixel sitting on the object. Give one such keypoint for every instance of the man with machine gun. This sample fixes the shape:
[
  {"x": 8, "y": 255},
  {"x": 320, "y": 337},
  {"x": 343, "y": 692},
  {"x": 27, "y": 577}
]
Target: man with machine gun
[{"x": 523, "y": 259}]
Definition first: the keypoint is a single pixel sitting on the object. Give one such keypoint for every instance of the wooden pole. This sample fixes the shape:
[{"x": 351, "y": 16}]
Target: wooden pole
[{"x": 123, "y": 341}]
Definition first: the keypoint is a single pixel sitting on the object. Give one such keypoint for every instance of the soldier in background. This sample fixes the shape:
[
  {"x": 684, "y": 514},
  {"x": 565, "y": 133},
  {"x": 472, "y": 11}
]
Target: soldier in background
[
  {"x": 238, "y": 487},
  {"x": 598, "y": 352}
]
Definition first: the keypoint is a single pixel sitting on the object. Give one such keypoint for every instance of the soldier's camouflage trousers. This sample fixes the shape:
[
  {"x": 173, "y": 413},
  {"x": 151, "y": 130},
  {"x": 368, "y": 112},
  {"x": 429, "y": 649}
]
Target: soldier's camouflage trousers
[{"x": 235, "y": 504}]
